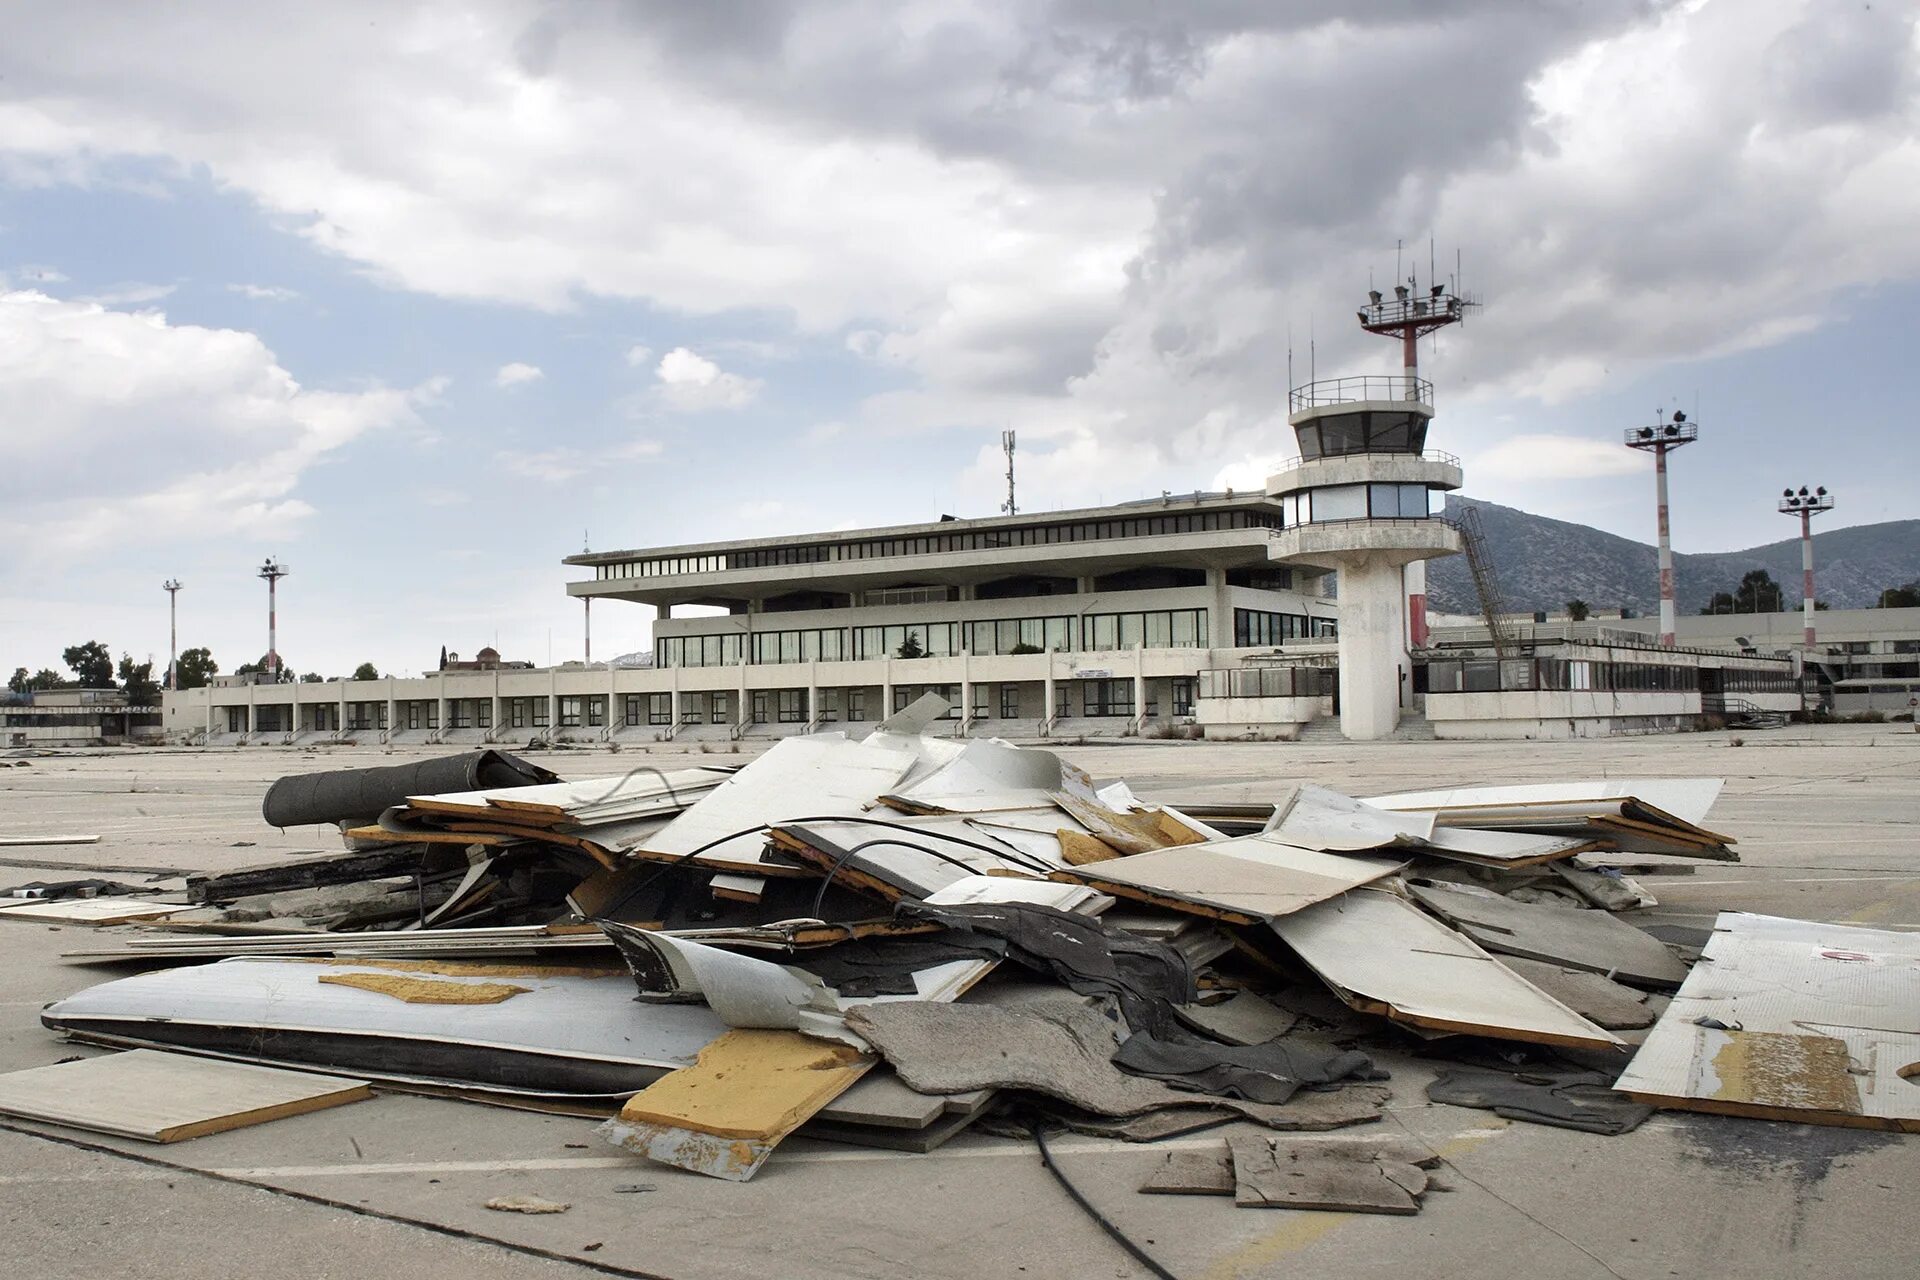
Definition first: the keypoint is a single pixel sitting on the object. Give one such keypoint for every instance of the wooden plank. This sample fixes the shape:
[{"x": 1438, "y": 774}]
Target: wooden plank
[
  {"x": 168, "y": 1097},
  {"x": 27, "y": 842},
  {"x": 749, "y": 1089}
]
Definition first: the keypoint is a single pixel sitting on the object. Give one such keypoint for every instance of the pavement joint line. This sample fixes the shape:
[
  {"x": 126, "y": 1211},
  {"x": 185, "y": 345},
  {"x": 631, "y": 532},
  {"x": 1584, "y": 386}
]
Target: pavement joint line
[{"x": 307, "y": 1197}]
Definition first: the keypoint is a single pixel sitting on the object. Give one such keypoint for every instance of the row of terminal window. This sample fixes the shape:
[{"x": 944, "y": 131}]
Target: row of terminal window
[
  {"x": 1487, "y": 675},
  {"x": 1093, "y": 633}
]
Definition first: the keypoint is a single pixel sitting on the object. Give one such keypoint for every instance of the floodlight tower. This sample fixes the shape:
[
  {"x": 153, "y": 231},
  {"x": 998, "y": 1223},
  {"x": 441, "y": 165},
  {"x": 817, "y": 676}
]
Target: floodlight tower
[
  {"x": 172, "y": 587},
  {"x": 1806, "y": 506},
  {"x": 272, "y": 570},
  {"x": 1657, "y": 440},
  {"x": 1359, "y": 499},
  {"x": 1410, "y": 318}
]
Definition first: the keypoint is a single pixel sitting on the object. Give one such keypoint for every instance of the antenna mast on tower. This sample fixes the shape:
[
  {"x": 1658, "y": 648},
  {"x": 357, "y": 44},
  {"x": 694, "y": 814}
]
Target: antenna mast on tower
[{"x": 1006, "y": 443}]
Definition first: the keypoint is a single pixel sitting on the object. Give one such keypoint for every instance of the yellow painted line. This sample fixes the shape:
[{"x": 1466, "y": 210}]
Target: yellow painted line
[
  {"x": 1900, "y": 902},
  {"x": 1302, "y": 1228}
]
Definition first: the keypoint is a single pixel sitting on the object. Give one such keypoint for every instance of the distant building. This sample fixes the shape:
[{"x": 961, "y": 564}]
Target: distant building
[
  {"x": 77, "y": 718},
  {"x": 488, "y": 659}
]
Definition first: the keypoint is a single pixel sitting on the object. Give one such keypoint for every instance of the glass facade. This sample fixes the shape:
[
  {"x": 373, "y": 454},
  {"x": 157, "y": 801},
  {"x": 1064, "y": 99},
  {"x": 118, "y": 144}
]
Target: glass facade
[
  {"x": 1155, "y": 629},
  {"x": 1336, "y": 434},
  {"x": 1257, "y": 628},
  {"x": 1357, "y": 502}
]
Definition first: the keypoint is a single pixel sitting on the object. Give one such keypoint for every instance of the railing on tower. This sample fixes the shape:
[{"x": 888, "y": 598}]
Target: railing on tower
[{"x": 1372, "y": 386}]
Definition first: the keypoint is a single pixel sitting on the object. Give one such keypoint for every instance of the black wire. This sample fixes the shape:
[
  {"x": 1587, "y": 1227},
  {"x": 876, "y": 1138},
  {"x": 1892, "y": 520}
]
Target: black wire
[
  {"x": 1140, "y": 1255},
  {"x": 847, "y": 854}
]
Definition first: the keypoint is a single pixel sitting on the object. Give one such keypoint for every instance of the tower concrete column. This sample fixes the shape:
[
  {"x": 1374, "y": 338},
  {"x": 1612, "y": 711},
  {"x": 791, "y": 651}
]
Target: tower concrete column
[{"x": 1372, "y": 647}]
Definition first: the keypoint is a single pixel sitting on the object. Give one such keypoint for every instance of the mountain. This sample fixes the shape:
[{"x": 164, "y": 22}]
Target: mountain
[{"x": 1543, "y": 563}]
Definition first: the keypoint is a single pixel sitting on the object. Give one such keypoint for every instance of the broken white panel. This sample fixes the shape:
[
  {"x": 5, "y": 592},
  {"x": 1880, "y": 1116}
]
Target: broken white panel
[
  {"x": 988, "y": 775},
  {"x": 745, "y": 992},
  {"x": 801, "y": 777},
  {"x": 1382, "y": 954},
  {"x": 1508, "y": 848},
  {"x": 1247, "y": 878},
  {"x": 1314, "y": 817},
  {"x": 1687, "y": 799},
  {"x": 1791, "y": 1020},
  {"x": 567, "y": 1033},
  {"x": 975, "y": 890},
  {"x": 919, "y": 854}
]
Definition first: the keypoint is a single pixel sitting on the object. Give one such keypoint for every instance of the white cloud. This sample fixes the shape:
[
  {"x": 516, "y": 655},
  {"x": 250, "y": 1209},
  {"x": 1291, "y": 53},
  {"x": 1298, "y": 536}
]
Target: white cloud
[
  {"x": 264, "y": 292},
  {"x": 1059, "y": 217},
  {"x": 638, "y": 354},
  {"x": 516, "y": 373},
  {"x": 692, "y": 383},
  {"x": 131, "y": 294},
  {"x": 155, "y": 430},
  {"x": 1551, "y": 457},
  {"x": 557, "y": 466}
]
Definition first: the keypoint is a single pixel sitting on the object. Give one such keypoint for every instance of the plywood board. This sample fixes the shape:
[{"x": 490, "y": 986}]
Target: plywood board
[
  {"x": 1382, "y": 954},
  {"x": 724, "y": 1115},
  {"x": 1688, "y": 799},
  {"x": 1245, "y": 880},
  {"x": 1578, "y": 937},
  {"x": 1791, "y": 1020},
  {"x": 167, "y": 1097},
  {"x": 96, "y": 912}
]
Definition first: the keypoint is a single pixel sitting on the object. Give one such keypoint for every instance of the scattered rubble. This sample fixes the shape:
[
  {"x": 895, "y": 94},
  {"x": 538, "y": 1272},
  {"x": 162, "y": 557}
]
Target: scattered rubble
[{"x": 889, "y": 940}]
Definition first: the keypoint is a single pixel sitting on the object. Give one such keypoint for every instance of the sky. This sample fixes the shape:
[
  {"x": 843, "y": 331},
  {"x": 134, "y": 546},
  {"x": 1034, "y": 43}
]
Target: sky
[{"x": 420, "y": 298}]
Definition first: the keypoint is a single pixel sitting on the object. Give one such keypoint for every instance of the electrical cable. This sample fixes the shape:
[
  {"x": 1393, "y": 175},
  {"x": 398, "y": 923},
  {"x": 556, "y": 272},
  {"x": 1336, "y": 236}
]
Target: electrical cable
[{"x": 1119, "y": 1237}]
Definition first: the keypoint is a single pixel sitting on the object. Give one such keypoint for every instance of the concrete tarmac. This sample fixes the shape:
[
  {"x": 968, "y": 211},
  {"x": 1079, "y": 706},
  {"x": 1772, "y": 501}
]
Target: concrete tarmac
[{"x": 1828, "y": 824}]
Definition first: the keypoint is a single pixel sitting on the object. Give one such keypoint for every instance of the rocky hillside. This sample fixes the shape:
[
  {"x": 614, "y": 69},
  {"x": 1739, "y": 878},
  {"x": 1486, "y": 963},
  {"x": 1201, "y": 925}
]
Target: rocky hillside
[{"x": 1543, "y": 563}]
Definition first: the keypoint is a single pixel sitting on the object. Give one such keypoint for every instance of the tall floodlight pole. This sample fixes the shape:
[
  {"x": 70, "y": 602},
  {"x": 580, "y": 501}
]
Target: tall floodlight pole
[
  {"x": 272, "y": 570},
  {"x": 172, "y": 587},
  {"x": 1806, "y": 506},
  {"x": 1658, "y": 440}
]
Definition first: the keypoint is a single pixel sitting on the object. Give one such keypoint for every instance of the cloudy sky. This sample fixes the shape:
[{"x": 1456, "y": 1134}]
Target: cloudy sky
[{"x": 422, "y": 297}]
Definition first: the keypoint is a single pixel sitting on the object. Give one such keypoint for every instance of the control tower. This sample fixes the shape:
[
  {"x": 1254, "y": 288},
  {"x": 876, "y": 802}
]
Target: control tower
[{"x": 1360, "y": 499}]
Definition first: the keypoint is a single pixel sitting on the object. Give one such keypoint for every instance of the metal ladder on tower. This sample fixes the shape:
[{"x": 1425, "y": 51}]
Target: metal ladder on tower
[{"x": 1485, "y": 584}]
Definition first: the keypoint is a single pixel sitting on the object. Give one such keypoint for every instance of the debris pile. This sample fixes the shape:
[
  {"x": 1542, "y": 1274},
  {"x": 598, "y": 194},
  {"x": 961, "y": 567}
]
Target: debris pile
[{"x": 889, "y": 939}]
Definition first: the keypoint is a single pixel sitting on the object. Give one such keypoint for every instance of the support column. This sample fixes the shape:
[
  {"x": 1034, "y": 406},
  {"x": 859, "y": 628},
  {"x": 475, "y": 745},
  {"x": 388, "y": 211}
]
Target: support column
[
  {"x": 1140, "y": 684},
  {"x": 494, "y": 722},
  {"x": 441, "y": 723},
  {"x": 1047, "y": 692},
  {"x": 1372, "y": 653},
  {"x": 1806, "y": 579},
  {"x": 1416, "y": 578},
  {"x": 1219, "y": 611},
  {"x": 1666, "y": 549},
  {"x": 293, "y": 710},
  {"x": 393, "y": 712}
]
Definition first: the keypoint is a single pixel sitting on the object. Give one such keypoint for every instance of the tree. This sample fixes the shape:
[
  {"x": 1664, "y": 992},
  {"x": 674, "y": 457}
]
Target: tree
[
  {"x": 92, "y": 664},
  {"x": 19, "y": 682},
  {"x": 312, "y": 677},
  {"x": 911, "y": 647},
  {"x": 1577, "y": 610},
  {"x": 1757, "y": 593},
  {"x": 141, "y": 688},
  {"x": 1901, "y": 597},
  {"x": 194, "y": 669},
  {"x": 443, "y": 657},
  {"x": 366, "y": 671},
  {"x": 45, "y": 678}
]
